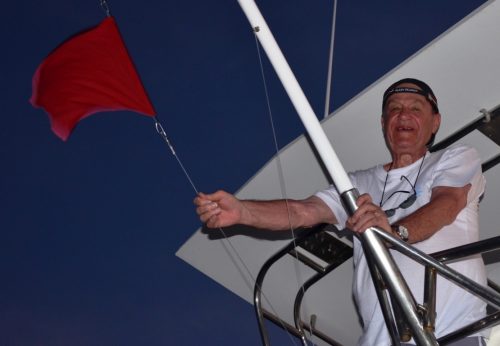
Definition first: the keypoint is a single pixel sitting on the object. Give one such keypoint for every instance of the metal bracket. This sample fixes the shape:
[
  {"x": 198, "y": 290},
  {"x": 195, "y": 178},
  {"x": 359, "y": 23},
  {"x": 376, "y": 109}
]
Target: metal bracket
[{"x": 487, "y": 115}]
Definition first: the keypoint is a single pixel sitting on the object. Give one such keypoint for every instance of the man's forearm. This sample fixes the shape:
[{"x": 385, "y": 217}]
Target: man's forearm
[
  {"x": 442, "y": 210},
  {"x": 274, "y": 215},
  {"x": 286, "y": 214}
]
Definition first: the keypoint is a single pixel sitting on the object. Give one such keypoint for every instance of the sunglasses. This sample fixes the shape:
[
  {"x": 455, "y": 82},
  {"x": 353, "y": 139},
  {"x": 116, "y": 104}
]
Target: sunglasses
[{"x": 405, "y": 204}]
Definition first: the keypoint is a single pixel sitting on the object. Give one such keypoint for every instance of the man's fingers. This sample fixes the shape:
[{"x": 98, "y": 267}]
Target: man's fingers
[
  {"x": 363, "y": 199},
  {"x": 362, "y": 211},
  {"x": 208, "y": 208},
  {"x": 203, "y": 198},
  {"x": 367, "y": 217},
  {"x": 209, "y": 214},
  {"x": 218, "y": 209}
]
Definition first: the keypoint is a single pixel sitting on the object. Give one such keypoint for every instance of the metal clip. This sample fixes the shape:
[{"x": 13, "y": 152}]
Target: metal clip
[
  {"x": 163, "y": 134},
  {"x": 312, "y": 322},
  {"x": 487, "y": 115},
  {"x": 105, "y": 7}
]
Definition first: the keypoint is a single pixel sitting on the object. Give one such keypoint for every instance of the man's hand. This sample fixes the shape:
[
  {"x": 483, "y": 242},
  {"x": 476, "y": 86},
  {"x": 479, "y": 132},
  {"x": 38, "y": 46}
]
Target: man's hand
[
  {"x": 219, "y": 209},
  {"x": 368, "y": 215}
]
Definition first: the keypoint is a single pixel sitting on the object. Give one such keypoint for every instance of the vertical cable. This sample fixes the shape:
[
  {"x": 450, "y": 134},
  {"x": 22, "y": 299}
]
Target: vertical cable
[
  {"x": 278, "y": 162},
  {"x": 330, "y": 62},
  {"x": 163, "y": 134}
]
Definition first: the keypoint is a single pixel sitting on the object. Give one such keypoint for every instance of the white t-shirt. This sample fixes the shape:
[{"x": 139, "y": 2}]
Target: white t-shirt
[{"x": 455, "y": 166}]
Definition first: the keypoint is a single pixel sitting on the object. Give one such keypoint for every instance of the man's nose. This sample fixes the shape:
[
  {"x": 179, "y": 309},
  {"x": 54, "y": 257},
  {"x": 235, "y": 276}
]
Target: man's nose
[{"x": 405, "y": 111}]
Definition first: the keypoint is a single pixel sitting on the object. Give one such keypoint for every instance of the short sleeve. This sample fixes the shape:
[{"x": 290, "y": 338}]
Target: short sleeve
[
  {"x": 460, "y": 165},
  {"x": 333, "y": 200}
]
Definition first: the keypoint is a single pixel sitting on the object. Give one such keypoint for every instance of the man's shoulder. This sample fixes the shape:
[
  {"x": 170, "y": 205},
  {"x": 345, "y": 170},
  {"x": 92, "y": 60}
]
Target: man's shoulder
[
  {"x": 366, "y": 177},
  {"x": 455, "y": 149},
  {"x": 367, "y": 171}
]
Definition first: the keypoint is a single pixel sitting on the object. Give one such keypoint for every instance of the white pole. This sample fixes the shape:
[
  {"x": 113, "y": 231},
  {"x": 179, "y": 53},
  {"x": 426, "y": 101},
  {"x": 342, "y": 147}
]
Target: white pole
[{"x": 299, "y": 100}]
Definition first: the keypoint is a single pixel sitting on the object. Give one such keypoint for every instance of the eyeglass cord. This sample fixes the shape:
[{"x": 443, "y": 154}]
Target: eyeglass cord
[{"x": 382, "y": 202}]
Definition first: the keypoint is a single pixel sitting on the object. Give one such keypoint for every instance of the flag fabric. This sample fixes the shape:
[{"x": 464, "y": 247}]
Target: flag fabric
[{"x": 90, "y": 72}]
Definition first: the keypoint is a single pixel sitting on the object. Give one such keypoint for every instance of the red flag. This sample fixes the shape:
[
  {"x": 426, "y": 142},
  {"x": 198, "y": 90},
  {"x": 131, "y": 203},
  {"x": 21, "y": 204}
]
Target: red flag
[{"x": 89, "y": 73}]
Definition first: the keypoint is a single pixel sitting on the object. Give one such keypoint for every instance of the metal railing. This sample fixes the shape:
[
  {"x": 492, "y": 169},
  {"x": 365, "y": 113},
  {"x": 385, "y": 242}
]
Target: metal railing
[{"x": 397, "y": 326}]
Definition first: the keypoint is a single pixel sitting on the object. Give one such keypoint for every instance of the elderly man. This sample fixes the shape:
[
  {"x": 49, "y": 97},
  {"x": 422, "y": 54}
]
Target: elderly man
[{"x": 427, "y": 199}]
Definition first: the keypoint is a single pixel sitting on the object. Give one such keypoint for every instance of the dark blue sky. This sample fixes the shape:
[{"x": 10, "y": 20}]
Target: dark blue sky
[{"x": 90, "y": 227}]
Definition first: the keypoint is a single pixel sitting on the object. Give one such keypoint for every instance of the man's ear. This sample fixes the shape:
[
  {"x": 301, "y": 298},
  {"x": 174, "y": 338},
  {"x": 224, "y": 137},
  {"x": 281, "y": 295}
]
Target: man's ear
[
  {"x": 435, "y": 128},
  {"x": 437, "y": 123}
]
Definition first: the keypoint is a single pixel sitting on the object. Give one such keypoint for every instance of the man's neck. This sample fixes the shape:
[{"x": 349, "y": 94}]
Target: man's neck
[{"x": 404, "y": 159}]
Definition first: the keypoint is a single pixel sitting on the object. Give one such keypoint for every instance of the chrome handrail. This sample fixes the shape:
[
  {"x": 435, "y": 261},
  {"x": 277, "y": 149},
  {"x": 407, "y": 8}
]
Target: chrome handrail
[
  {"x": 257, "y": 296},
  {"x": 434, "y": 264}
]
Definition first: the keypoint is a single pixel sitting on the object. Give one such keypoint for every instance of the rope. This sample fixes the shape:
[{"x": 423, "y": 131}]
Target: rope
[
  {"x": 161, "y": 131},
  {"x": 330, "y": 61},
  {"x": 163, "y": 134},
  {"x": 280, "y": 170}
]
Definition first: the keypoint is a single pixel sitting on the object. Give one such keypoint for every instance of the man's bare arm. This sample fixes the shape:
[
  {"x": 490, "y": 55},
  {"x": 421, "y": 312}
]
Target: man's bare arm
[
  {"x": 222, "y": 209},
  {"x": 443, "y": 208}
]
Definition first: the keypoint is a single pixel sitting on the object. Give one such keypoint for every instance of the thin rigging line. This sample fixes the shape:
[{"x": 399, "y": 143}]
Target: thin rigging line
[
  {"x": 163, "y": 134},
  {"x": 279, "y": 165},
  {"x": 330, "y": 61},
  {"x": 105, "y": 7}
]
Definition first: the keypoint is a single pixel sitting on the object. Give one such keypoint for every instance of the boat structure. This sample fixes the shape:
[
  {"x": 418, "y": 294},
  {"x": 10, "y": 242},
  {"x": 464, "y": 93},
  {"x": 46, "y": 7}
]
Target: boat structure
[{"x": 306, "y": 289}]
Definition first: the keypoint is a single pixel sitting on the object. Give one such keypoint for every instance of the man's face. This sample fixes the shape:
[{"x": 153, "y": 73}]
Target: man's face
[{"x": 408, "y": 122}]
